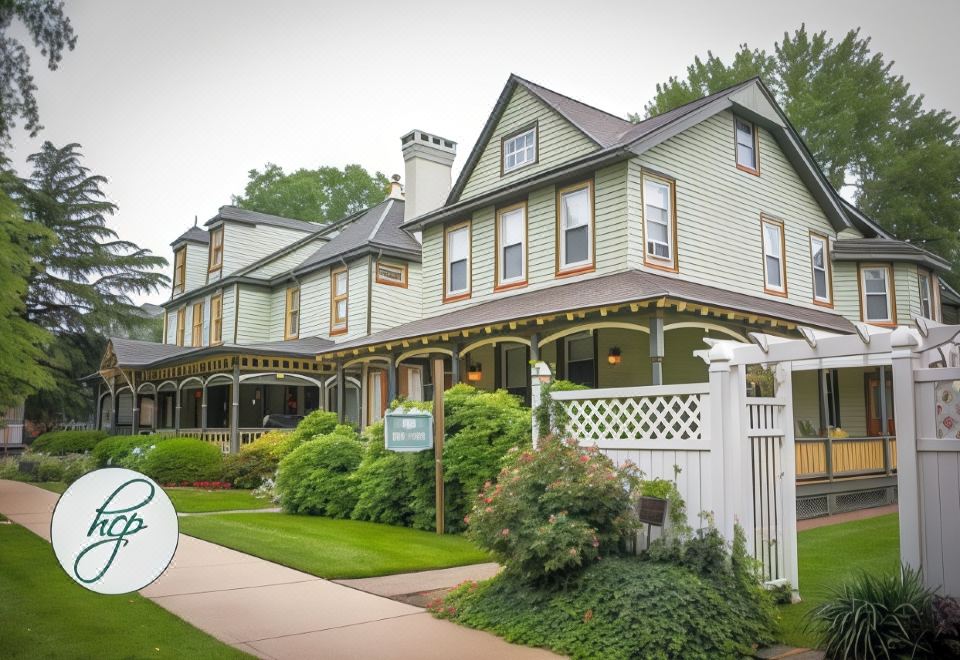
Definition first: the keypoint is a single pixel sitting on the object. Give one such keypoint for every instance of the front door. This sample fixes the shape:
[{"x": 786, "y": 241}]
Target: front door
[{"x": 874, "y": 416}]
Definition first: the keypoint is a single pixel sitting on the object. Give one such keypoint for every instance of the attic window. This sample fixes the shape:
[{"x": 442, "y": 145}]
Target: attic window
[
  {"x": 519, "y": 149},
  {"x": 748, "y": 147},
  {"x": 391, "y": 274}
]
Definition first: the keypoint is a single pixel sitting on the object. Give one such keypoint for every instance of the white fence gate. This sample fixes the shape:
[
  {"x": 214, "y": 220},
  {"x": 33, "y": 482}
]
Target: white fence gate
[{"x": 693, "y": 435}]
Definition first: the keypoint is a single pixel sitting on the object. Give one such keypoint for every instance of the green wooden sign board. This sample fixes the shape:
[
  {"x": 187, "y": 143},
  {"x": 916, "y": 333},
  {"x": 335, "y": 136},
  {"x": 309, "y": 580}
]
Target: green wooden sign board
[{"x": 408, "y": 430}]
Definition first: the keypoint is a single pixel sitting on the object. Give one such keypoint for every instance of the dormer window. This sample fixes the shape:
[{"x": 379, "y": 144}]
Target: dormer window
[
  {"x": 519, "y": 149},
  {"x": 748, "y": 146},
  {"x": 179, "y": 270},
  {"x": 216, "y": 249}
]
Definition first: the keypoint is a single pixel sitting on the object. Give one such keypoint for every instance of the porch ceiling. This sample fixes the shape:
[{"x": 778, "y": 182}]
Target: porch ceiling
[{"x": 631, "y": 287}]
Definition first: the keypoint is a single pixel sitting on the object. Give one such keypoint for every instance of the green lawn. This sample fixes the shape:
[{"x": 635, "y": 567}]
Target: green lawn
[
  {"x": 45, "y": 614},
  {"x": 831, "y": 554},
  {"x": 333, "y": 548},
  {"x": 195, "y": 500}
]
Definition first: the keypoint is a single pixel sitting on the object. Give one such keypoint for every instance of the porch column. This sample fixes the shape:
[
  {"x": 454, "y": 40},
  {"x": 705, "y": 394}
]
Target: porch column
[
  {"x": 656, "y": 347},
  {"x": 884, "y": 425},
  {"x": 112, "y": 415},
  {"x": 392, "y": 379},
  {"x": 825, "y": 418},
  {"x": 341, "y": 381},
  {"x": 135, "y": 425},
  {"x": 98, "y": 415},
  {"x": 203, "y": 410},
  {"x": 176, "y": 412},
  {"x": 455, "y": 365},
  {"x": 235, "y": 409},
  {"x": 535, "y": 347}
]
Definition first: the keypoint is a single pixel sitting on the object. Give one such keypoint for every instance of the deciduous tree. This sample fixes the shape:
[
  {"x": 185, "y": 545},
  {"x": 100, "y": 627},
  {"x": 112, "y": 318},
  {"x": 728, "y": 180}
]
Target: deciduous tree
[{"x": 325, "y": 194}]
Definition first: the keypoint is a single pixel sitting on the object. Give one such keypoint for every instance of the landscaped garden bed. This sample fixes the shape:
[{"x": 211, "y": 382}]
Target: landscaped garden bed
[{"x": 44, "y": 614}]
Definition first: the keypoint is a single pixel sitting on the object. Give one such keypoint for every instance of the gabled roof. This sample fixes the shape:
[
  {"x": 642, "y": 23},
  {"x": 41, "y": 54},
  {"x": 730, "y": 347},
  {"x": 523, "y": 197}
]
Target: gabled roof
[
  {"x": 886, "y": 249},
  {"x": 377, "y": 228},
  {"x": 235, "y": 214},
  {"x": 193, "y": 235},
  {"x": 617, "y": 289},
  {"x": 618, "y": 139}
]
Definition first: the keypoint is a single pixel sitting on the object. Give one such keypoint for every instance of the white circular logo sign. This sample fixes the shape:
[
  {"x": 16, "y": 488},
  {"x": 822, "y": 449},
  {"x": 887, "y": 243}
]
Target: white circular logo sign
[{"x": 114, "y": 531}]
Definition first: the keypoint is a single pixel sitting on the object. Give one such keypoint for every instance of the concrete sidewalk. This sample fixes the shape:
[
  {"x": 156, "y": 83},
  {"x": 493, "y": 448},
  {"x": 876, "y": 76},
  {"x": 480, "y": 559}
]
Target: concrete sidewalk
[{"x": 272, "y": 611}]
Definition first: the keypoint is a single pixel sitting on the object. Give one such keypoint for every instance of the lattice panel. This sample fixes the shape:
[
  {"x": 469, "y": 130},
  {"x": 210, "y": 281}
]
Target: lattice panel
[{"x": 668, "y": 418}]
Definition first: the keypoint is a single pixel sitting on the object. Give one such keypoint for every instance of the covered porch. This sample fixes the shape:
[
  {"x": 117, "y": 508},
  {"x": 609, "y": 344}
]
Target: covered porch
[{"x": 227, "y": 395}]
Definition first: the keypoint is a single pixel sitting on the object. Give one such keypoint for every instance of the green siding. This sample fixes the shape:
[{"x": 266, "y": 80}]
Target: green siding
[
  {"x": 287, "y": 261},
  {"x": 719, "y": 207},
  {"x": 610, "y": 212},
  {"x": 254, "y": 310},
  {"x": 244, "y": 244},
  {"x": 559, "y": 141},
  {"x": 315, "y": 304},
  {"x": 392, "y": 305}
]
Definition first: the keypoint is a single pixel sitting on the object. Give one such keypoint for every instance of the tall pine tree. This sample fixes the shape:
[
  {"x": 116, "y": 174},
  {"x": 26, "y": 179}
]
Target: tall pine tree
[{"x": 85, "y": 277}]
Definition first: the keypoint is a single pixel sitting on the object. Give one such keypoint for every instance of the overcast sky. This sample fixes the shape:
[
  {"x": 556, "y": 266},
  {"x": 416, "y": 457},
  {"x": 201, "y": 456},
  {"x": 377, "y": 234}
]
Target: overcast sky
[{"x": 175, "y": 101}]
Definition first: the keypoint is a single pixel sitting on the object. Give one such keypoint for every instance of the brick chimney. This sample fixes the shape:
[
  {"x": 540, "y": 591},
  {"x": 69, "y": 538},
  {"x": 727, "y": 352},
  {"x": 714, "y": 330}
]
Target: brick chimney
[{"x": 428, "y": 160}]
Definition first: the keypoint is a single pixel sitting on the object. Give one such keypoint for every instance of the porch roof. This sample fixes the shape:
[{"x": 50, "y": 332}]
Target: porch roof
[
  {"x": 632, "y": 286},
  {"x": 134, "y": 353}
]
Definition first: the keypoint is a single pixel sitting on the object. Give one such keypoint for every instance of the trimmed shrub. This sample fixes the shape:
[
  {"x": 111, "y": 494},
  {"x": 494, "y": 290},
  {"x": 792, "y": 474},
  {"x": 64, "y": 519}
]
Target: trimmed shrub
[
  {"x": 384, "y": 481},
  {"x": 317, "y": 423},
  {"x": 256, "y": 461},
  {"x": 554, "y": 510},
  {"x": 620, "y": 608},
  {"x": 125, "y": 450},
  {"x": 889, "y": 615},
  {"x": 316, "y": 477},
  {"x": 58, "y": 443},
  {"x": 183, "y": 459}
]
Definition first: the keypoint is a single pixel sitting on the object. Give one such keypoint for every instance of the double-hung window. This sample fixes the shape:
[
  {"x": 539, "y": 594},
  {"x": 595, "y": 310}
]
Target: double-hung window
[
  {"x": 820, "y": 265},
  {"x": 575, "y": 228},
  {"x": 659, "y": 222},
  {"x": 216, "y": 319},
  {"x": 339, "y": 300},
  {"x": 196, "y": 337},
  {"x": 512, "y": 246},
  {"x": 291, "y": 328},
  {"x": 216, "y": 249},
  {"x": 457, "y": 262},
  {"x": 747, "y": 146},
  {"x": 774, "y": 258},
  {"x": 179, "y": 270},
  {"x": 926, "y": 295},
  {"x": 519, "y": 149},
  {"x": 876, "y": 295}
]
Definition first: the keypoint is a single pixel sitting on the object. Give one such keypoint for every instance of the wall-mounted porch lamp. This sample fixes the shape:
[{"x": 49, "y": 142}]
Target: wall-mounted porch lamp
[
  {"x": 475, "y": 373},
  {"x": 613, "y": 356}
]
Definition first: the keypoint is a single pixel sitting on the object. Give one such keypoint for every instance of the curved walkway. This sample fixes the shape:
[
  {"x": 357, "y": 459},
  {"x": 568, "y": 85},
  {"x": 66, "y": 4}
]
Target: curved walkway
[{"x": 272, "y": 611}]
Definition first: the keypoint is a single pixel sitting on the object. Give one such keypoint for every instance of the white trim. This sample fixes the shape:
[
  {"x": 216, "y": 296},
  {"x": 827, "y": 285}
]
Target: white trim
[
  {"x": 246, "y": 377},
  {"x": 196, "y": 379},
  {"x": 706, "y": 326},
  {"x": 365, "y": 359},
  {"x": 421, "y": 351},
  {"x": 560, "y": 334},
  {"x": 630, "y": 392},
  {"x": 210, "y": 379},
  {"x": 511, "y": 141},
  {"x": 165, "y": 383},
  {"x": 493, "y": 341}
]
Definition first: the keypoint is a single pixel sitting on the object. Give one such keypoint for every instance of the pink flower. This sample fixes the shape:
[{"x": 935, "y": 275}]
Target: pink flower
[
  {"x": 596, "y": 542},
  {"x": 584, "y": 458},
  {"x": 504, "y": 532},
  {"x": 466, "y": 519}
]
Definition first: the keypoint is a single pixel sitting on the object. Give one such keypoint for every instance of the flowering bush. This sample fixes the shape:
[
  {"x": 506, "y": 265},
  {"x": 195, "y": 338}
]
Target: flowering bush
[
  {"x": 554, "y": 510},
  {"x": 258, "y": 460}
]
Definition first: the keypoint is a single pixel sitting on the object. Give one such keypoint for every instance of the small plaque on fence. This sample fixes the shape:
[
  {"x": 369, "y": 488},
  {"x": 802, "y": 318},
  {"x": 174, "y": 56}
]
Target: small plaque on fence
[{"x": 652, "y": 510}]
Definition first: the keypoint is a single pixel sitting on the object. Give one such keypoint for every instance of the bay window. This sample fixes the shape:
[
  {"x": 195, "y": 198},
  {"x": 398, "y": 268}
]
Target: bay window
[{"x": 876, "y": 294}]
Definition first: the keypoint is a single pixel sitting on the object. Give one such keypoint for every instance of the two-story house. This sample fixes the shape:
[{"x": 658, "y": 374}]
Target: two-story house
[{"x": 608, "y": 249}]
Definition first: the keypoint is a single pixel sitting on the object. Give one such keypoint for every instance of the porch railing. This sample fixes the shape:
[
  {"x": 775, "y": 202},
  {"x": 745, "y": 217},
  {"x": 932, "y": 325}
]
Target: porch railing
[
  {"x": 219, "y": 437},
  {"x": 831, "y": 458}
]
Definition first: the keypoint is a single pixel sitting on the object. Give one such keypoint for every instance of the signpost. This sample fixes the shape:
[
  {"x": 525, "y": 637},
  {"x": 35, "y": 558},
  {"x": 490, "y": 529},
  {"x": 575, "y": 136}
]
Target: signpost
[{"x": 415, "y": 430}]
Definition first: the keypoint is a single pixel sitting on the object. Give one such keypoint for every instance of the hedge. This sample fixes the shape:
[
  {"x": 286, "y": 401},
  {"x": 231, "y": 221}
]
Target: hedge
[
  {"x": 58, "y": 443},
  {"x": 123, "y": 450},
  {"x": 315, "y": 477},
  {"x": 183, "y": 459}
]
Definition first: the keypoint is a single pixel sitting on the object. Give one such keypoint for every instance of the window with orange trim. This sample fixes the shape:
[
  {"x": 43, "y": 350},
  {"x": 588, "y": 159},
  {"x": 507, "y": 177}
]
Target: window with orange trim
[
  {"x": 216, "y": 249},
  {"x": 339, "y": 300},
  {"x": 179, "y": 270}
]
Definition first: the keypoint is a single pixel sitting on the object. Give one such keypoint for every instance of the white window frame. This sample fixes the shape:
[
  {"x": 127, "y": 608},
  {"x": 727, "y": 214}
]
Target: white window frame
[
  {"x": 780, "y": 256},
  {"x": 652, "y": 258},
  {"x": 448, "y": 233},
  {"x": 502, "y": 280},
  {"x": 887, "y": 294},
  {"x": 509, "y": 148},
  {"x": 754, "y": 145},
  {"x": 585, "y": 264},
  {"x": 827, "y": 275}
]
